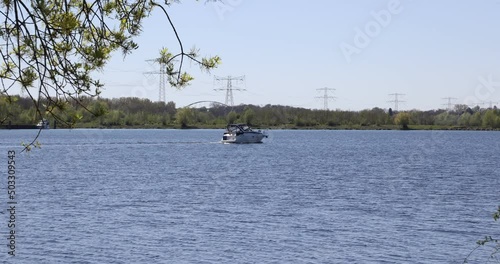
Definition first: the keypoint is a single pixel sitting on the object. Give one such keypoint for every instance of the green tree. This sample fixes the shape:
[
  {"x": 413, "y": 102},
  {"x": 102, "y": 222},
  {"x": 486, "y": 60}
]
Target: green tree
[
  {"x": 248, "y": 115},
  {"x": 6, "y": 108},
  {"x": 114, "y": 118},
  {"x": 99, "y": 107},
  {"x": 446, "y": 119},
  {"x": 184, "y": 117},
  {"x": 402, "y": 119},
  {"x": 464, "y": 119},
  {"x": 476, "y": 119},
  {"x": 460, "y": 108},
  {"x": 56, "y": 46},
  {"x": 490, "y": 119},
  {"x": 231, "y": 117}
]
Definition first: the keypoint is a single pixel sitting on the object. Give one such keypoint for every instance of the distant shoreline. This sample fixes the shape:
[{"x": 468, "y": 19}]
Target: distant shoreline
[{"x": 283, "y": 127}]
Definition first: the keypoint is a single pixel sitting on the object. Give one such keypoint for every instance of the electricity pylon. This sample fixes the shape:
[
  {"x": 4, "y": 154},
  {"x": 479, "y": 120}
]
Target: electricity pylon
[
  {"x": 449, "y": 104},
  {"x": 396, "y": 100},
  {"x": 326, "y": 97},
  {"x": 162, "y": 72},
  {"x": 491, "y": 103},
  {"x": 229, "y": 87}
]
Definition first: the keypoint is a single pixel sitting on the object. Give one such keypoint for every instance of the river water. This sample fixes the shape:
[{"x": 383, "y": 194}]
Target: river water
[{"x": 179, "y": 196}]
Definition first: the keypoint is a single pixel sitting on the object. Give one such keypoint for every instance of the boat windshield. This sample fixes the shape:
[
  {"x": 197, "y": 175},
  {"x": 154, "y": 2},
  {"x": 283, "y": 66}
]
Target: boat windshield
[
  {"x": 246, "y": 128},
  {"x": 234, "y": 128}
]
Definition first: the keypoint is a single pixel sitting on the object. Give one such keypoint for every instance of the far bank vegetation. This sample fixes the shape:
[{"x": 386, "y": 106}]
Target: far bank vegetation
[{"x": 143, "y": 113}]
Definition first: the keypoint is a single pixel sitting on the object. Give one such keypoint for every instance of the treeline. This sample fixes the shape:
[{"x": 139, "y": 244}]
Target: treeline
[{"x": 143, "y": 113}]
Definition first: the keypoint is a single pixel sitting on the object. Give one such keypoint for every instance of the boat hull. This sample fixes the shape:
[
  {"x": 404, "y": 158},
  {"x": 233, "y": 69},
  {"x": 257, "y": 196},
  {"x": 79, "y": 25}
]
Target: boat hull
[{"x": 248, "y": 137}]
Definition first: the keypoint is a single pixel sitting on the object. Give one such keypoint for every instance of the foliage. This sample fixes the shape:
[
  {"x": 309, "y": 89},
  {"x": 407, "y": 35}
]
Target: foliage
[
  {"x": 402, "y": 119},
  {"x": 489, "y": 241},
  {"x": 491, "y": 119},
  {"x": 446, "y": 119},
  {"x": 135, "y": 112},
  {"x": 248, "y": 116},
  {"x": 51, "y": 48},
  {"x": 184, "y": 117},
  {"x": 232, "y": 117}
]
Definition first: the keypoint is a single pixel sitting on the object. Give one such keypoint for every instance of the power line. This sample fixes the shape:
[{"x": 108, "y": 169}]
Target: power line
[
  {"x": 396, "y": 100},
  {"x": 449, "y": 105},
  {"x": 229, "y": 87},
  {"x": 475, "y": 104},
  {"x": 325, "y": 96},
  {"x": 491, "y": 103},
  {"x": 162, "y": 72}
]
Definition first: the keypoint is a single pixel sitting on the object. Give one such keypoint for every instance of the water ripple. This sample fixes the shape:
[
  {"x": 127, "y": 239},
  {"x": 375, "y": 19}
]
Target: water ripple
[{"x": 161, "y": 196}]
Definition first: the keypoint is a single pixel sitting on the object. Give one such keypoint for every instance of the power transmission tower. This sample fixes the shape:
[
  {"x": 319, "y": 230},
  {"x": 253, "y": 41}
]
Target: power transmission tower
[
  {"x": 449, "y": 104},
  {"x": 162, "y": 72},
  {"x": 491, "y": 104},
  {"x": 326, "y": 97},
  {"x": 229, "y": 87},
  {"x": 396, "y": 100}
]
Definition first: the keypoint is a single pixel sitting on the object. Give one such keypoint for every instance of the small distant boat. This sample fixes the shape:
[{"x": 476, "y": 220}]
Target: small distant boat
[
  {"x": 242, "y": 133},
  {"x": 43, "y": 124}
]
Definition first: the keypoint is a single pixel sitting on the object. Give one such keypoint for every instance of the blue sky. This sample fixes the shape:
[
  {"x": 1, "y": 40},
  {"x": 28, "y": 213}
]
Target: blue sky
[{"x": 365, "y": 49}]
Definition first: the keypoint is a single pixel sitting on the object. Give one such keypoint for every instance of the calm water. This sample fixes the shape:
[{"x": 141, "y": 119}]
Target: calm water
[{"x": 171, "y": 196}]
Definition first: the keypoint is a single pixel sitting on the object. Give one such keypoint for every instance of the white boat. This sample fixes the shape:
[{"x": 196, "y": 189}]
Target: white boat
[
  {"x": 43, "y": 124},
  {"x": 242, "y": 133}
]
